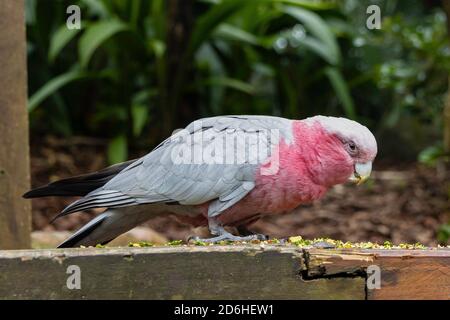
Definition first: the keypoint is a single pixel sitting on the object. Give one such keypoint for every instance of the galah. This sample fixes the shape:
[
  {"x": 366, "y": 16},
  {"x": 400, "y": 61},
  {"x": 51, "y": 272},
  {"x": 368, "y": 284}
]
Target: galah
[{"x": 221, "y": 171}]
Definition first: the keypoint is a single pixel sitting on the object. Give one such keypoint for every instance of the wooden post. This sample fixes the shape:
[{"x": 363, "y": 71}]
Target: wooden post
[{"x": 15, "y": 213}]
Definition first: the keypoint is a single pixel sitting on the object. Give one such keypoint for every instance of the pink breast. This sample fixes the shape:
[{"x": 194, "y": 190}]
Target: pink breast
[{"x": 281, "y": 192}]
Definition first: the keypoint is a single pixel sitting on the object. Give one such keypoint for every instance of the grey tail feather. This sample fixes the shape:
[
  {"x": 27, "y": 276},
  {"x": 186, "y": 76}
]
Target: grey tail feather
[
  {"x": 104, "y": 228},
  {"x": 79, "y": 185},
  {"x": 77, "y": 238},
  {"x": 101, "y": 199}
]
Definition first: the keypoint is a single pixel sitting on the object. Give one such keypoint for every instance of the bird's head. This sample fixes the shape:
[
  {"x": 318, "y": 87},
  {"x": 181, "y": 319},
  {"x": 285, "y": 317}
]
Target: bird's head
[{"x": 346, "y": 148}]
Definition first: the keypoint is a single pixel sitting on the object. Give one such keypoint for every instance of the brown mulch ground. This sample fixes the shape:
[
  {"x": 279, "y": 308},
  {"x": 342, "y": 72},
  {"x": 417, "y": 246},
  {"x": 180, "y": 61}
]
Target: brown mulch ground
[{"x": 404, "y": 203}]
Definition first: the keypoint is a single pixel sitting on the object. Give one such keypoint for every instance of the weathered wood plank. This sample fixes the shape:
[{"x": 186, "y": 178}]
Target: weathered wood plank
[
  {"x": 15, "y": 212},
  {"x": 413, "y": 276},
  {"x": 405, "y": 274},
  {"x": 224, "y": 272},
  {"x": 228, "y": 272}
]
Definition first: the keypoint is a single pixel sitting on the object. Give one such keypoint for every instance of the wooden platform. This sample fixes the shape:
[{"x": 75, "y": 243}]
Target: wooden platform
[{"x": 224, "y": 272}]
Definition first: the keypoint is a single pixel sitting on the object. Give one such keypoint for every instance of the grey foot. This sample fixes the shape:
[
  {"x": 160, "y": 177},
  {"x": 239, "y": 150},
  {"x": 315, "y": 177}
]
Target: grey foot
[
  {"x": 243, "y": 231},
  {"x": 323, "y": 245},
  {"x": 229, "y": 237}
]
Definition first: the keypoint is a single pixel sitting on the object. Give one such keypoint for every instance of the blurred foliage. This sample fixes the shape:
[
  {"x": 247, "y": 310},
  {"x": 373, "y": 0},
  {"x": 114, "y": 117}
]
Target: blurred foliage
[
  {"x": 432, "y": 154},
  {"x": 444, "y": 234},
  {"x": 139, "y": 69}
]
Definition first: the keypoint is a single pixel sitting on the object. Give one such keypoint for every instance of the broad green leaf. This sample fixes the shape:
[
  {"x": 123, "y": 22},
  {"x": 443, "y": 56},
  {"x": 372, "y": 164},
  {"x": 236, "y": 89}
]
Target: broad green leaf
[
  {"x": 212, "y": 18},
  {"x": 311, "y": 4},
  {"x": 136, "y": 6},
  {"x": 95, "y": 35},
  {"x": 52, "y": 86},
  {"x": 139, "y": 114},
  {"x": 30, "y": 12},
  {"x": 118, "y": 149},
  {"x": 158, "y": 47},
  {"x": 210, "y": 1},
  {"x": 342, "y": 91},
  {"x": 317, "y": 27},
  {"x": 319, "y": 48},
  {"x": 291, "y": 92},
  {"x": 444, "y": 233},
  {"x": 230, "y": 32},
  {"x": 235, "y": 84},
  {"x": 59, "y": 40},
  {"x": 159, "y": 21},
  {"x": 207, "y": 56},
  {"x": 431, "y": 154},
  {"x": 97, "y": 7}
]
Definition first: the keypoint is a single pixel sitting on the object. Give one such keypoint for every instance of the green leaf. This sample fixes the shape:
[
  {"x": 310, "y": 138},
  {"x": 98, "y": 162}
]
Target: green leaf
[
  {"x": 342, "y": 90},
  {"x": 30, "y": 12},
  {"x": 95, "y": 35},
  {"x": 207, "y": 56},
  {"x": 319, "y": 28},
  {"x": 230, "y": 32},
  {"x": 139, "y": 114},
  {"x": 431, "y": 154},
  {"x": 136, "y": 8},
  {"x": 232, "y": 83},
  {"x": 118, "y": 149},
  {"x": 59, "y": 40},
  {"x": 97, "y": 8},
  {"x": 444, "y": 233},
  {"x": 212, "y": 18},
  {"x": 319, "y": 48},
  {"x": 158, "y": 47},
  {"x": 52, "y": 86},
  {"x": 159, "y": 21},
  {"x": 311, "y": 4}
]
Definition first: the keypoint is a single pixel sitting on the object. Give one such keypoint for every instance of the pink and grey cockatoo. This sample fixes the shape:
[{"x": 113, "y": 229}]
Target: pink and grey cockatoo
[{"x": 221, "y": 171}]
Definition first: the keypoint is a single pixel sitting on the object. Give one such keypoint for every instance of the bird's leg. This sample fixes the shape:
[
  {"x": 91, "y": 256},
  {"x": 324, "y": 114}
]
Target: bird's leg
[
  {"x": 244, "y": 231},
  {"x": 221, "y": 234}
]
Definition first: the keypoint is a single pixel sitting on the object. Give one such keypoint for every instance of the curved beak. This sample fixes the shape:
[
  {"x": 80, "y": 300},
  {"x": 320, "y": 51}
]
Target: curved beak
[{"x": 361, "y": 173}]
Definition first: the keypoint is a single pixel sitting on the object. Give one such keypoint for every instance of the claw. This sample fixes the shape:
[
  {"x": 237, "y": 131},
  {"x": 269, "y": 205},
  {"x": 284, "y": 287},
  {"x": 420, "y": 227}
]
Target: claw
[
  {"x": 229, "y": 237},
  {"x": 222, "y": 235},
  {"x": 243, "y": 231},
  {"x": 323, "y": 245}
]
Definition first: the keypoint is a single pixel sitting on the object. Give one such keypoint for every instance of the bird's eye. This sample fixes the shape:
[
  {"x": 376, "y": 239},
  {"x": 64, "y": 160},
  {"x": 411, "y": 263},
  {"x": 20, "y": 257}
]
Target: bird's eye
[{"x": 352, "y": 147}]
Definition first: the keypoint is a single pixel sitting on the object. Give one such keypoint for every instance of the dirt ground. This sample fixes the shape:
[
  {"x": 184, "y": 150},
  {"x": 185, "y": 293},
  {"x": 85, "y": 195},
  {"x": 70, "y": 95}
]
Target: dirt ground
[{"x": 401, "y": 203}]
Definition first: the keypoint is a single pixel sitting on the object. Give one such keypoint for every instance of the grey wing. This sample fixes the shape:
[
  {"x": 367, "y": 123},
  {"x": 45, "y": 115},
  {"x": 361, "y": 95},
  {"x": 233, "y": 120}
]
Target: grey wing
[{"x": 213, "y": 159}]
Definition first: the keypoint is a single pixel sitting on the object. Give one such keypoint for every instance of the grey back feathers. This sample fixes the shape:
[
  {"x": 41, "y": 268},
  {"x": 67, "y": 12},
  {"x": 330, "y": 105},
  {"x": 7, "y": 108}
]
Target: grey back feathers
[{"x": 211, "y": 160}]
